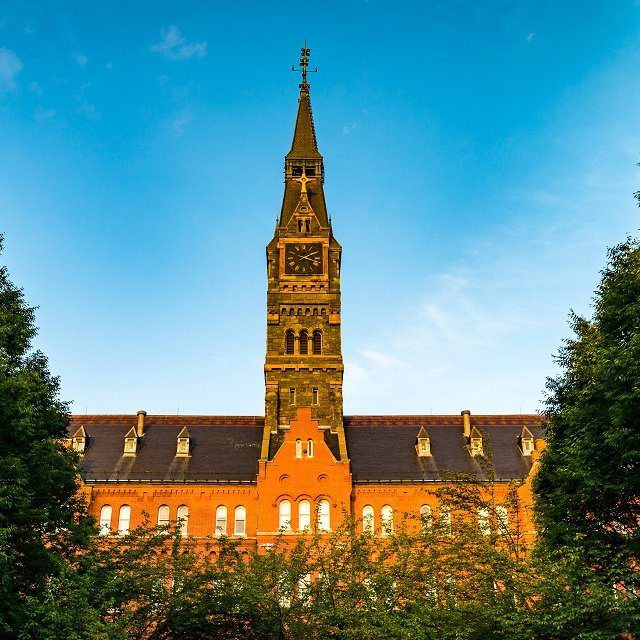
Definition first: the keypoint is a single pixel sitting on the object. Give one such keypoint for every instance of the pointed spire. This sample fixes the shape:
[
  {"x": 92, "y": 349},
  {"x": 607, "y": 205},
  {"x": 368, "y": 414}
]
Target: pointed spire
[{"x": 304, "y": 143}]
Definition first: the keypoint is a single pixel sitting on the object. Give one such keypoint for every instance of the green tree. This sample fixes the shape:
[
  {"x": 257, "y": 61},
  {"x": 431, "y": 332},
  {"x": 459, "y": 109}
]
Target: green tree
[
  {"x": 41, "y": 517},
  {"x": 588, "y": 486}
]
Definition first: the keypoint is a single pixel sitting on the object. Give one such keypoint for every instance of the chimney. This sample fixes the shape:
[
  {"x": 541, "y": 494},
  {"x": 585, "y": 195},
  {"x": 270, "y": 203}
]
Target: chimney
[
  {"x": 140, "y": 428},
  {"x": 466, "y": 422}
]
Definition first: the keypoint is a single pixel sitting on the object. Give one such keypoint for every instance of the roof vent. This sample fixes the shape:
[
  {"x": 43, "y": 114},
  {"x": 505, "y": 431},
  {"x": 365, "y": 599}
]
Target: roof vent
[
  {"x": 79, "y": 440},
  {"x": 526, "y": 442},
  {"x": 183, "y": 449},
  {"x": 131, "y": 443},
  {"x": 475, "y": 443},
  {"x": 423, "y": 444}
]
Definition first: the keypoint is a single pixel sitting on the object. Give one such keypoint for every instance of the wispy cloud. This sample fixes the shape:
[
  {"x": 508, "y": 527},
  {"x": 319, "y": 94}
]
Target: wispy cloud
[
  {"x": 530, "y": 36},
  {"x": 179, "y": 124},
  {"x": 348, "y": 128},
  {"x": 89, "y": 111},
  {"x": 80, "y": 59},
  {"x": 35, "y": 87},
  {"x": 42, "y": 115},
  {"x": 175, "y": 47},
  {"x": 10, "y": 67}
]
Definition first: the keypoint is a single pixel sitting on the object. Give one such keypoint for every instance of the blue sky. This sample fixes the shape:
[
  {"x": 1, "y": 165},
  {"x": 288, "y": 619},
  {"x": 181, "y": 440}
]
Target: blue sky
[{"x": 480, "y": 157}]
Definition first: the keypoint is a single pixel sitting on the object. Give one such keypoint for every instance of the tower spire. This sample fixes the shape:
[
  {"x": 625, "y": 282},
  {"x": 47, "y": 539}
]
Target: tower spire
[{"x": 304, "y": 144}]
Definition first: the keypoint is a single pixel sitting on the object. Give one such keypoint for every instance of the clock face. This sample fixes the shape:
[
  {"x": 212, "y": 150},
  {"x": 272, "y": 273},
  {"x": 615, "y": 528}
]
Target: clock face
[{"x": 303, "y": 259}]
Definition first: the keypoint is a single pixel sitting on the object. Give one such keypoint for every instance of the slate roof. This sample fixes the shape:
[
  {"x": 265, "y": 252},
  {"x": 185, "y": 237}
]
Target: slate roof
[
  {"x": 226, "y": 449},
  {"x": 223, "y": 449},
  {"x": 304, "y": 144}
]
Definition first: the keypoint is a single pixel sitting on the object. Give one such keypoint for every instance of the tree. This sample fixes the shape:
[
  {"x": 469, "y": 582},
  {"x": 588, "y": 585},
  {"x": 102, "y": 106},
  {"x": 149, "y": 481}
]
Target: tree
[
  {"x": 588, "y": 486},
  {"x": 587, "y": 490},
  {"x": 42, "y": 522}
]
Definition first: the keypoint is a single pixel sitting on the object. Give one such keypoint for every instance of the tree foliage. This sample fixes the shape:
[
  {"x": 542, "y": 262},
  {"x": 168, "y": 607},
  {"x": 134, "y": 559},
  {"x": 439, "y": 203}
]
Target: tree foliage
[
  {"x": 588, "y": 487},
  {"x": 40, "y": 523}
]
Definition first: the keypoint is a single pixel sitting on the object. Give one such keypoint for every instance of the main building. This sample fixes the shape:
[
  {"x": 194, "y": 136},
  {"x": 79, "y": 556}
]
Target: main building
[{"x": 304, "y": 464}]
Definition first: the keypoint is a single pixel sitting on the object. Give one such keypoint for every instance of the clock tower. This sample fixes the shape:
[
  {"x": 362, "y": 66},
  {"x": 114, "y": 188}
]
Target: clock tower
[{"x": 303, "y": 366}]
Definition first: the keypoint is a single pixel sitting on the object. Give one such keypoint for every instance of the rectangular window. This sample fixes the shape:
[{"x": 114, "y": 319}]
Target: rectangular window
[
  {"x": 292, "y": 396},
  {"x": 314, "y": 396}
]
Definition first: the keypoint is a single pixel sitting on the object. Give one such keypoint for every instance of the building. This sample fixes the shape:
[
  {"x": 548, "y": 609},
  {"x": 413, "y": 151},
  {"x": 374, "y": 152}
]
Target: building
[{"x": 304, "y": 463}]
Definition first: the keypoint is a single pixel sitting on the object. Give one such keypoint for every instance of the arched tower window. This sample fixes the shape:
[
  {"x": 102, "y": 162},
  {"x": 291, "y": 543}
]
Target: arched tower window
[
  {"x": 221, "y": 521},
  {"x": 298, "y": 448},
  {"x": 309, "y": 448},
  {"x": 324, "y": 515},
  {"x": 285, "y": 516},
  {"x": 183, "y": 519},
  {"x": 304, "y": 343},
  {"x": 289, "y": 342},
  {"x": 317, "y": 342},
  {"x": 105, "y": 520}
]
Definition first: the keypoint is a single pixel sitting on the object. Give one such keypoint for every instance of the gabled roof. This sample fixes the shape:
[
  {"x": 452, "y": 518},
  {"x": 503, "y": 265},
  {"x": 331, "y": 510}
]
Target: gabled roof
[
  {"x": 381, "y": 448},
  {"x": 315, "y": 195},
  {"x": 80, "y": 433},
  {"x": 422, "y": 433},
  {"x": 526, "y": 434}
]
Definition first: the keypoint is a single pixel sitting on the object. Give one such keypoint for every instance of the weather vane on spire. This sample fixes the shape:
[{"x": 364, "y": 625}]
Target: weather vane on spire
[{"x": 305, "y": 53}]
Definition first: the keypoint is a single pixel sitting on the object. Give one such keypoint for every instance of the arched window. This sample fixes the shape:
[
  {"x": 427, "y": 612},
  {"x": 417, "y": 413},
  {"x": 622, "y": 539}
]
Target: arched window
[
  {"x": 221, "y": 521},
  {"x": 240, "y": 522},
  {"x": 386, "y": 518},
  {"x": 304, "y": 514},
  {"x": 304, "y": 343},
  {"x": 289, "y": 342},
  {"x": 317, "y": 342},
  {"x": 105, "y": 520},
  {"x": 425, "y": 515},
  {"x": 502, "y": 516},
  {"x": 124, "y": 519},
  {"x": 368, "y": 523},
  {"x": 309, "y": 448},
  {"x": 285, "y": 515},
  {"x": 324, "y": 515},
  {"x": 298, "y": 448},
  {"x": 163, "y": 516},
  {"x": 183, "y": 519},
  {"x": 445, "y": 518}
]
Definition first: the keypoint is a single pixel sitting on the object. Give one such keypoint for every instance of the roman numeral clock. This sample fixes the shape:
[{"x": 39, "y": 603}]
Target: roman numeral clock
[{"x": 303, "y": 258}]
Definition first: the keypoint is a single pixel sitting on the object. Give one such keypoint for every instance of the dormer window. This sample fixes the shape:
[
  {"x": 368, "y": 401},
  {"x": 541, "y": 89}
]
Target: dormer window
[
  {"x": 310, "y": 171},
  {"x": 79, "y": 440},
  {"x": 296, "y": 171},
  {"x": 475, "y": 442},
  {"x": 131, "y": 442},
  {"x": 184, "y": 444},
  {"x": 527, "y": 444},
  {"x": 423, "y": 444}
]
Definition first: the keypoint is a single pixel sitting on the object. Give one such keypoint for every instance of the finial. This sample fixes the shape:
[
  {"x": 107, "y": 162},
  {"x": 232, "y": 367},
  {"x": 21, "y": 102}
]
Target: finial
[{"x": 305, "y": 54}]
